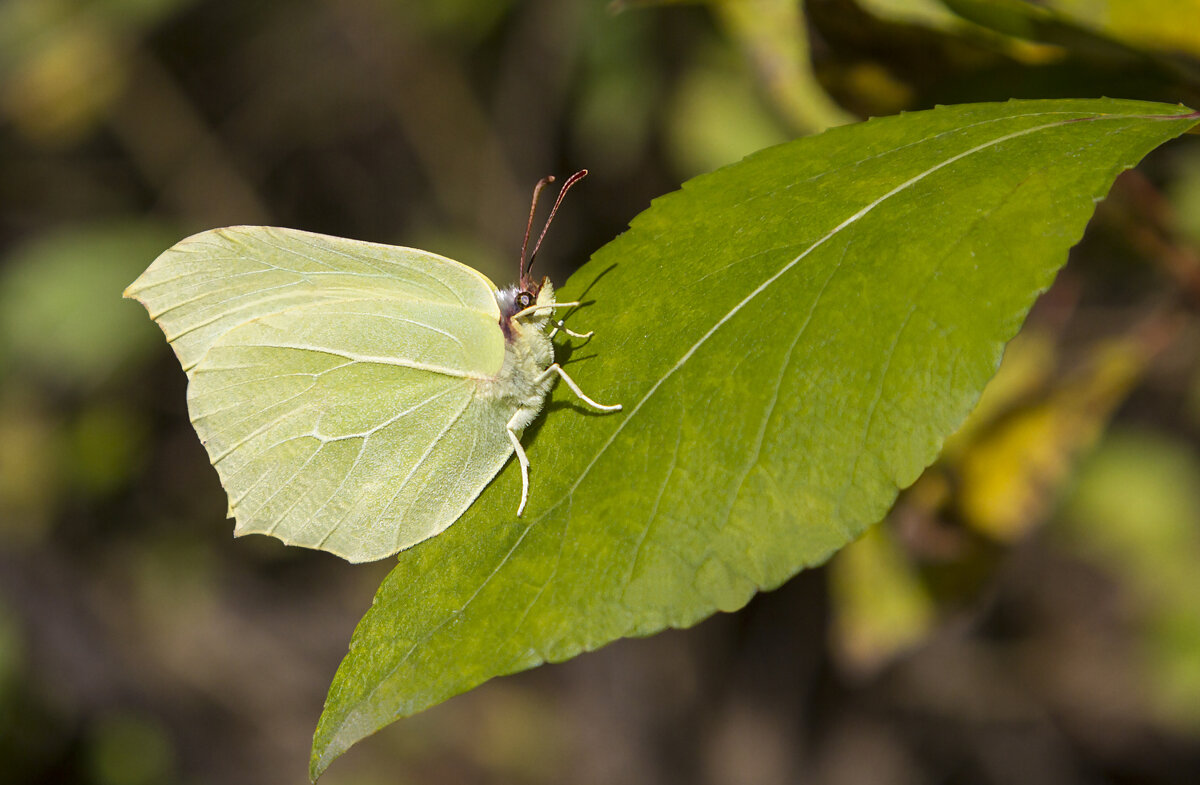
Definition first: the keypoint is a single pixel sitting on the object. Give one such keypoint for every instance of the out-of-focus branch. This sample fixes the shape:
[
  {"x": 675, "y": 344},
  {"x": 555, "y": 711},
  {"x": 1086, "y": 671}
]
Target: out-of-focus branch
[
  {"x": 178, "y": 154},
  {"x": 431, "y": 99},
  {"x": 773, "y": 35}
]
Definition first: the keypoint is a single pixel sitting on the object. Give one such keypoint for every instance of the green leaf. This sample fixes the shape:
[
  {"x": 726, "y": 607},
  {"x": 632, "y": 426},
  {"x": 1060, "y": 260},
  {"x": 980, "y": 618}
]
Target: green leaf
[
  {"x": 1155, "y": 26},
  {"x": 1134, "y": 33},
  {"x": 792, "y": 338}
]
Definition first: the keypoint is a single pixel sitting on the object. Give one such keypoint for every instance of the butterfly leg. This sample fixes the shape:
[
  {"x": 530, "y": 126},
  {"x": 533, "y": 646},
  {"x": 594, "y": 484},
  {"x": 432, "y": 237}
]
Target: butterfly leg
[
  {"x": 521, "y": 459},
  {"x": 556, "y": 368},
  {"x": 560, "y": 326}
]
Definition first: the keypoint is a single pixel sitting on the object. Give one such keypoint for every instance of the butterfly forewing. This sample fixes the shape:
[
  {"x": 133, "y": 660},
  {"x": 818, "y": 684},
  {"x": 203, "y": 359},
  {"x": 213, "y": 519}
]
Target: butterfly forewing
[{"x": 206, "y": 285}]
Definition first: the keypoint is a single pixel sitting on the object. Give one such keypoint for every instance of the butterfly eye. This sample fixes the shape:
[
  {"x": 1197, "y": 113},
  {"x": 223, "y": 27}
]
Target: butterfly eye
[{"x": 524, "y": 300}]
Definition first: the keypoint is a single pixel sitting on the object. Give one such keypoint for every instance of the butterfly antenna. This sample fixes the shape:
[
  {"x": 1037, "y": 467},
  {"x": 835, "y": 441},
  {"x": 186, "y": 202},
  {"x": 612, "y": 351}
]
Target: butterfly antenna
[
  {"x": 537, "y": 190},
  {"x": 582, "y": 173}
]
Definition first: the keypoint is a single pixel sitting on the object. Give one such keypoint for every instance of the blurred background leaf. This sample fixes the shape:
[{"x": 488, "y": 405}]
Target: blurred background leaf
[
  {"x": 1163, "y": 26},
  {"x": 1135, "y": 513},
  {"x": 55, "y": 321}
]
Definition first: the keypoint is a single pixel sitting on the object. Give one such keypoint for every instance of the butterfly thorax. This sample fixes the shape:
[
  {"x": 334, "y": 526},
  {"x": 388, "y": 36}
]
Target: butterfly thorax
[{"x": 528, "y": 352}]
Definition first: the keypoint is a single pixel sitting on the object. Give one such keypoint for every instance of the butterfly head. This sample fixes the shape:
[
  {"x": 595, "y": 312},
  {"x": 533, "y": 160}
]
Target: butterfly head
[{"x": 519, "y": 303}]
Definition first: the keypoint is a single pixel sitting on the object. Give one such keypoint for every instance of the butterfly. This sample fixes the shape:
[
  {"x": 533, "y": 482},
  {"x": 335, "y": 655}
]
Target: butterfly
[{"x": 355, "y": 397}]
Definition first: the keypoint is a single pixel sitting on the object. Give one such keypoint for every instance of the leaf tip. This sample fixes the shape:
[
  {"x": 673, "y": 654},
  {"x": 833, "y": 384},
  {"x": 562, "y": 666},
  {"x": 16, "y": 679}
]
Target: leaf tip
[
  {"x": 326, "y": 749},
  {"x": 315, "y": 767}
]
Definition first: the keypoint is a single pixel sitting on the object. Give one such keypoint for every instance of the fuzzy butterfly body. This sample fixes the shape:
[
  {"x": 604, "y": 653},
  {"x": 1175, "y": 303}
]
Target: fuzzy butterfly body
[{"x": 353, "y": 397}]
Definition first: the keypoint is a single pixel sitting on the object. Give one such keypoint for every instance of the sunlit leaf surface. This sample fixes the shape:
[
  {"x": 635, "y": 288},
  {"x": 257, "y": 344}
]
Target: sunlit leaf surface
[{"x": 792, "y": 338}]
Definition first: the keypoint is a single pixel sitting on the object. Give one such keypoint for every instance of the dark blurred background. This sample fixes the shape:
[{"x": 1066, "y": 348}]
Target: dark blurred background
[{"x": 1030, "y": 613}]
